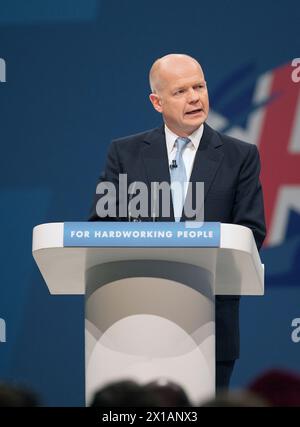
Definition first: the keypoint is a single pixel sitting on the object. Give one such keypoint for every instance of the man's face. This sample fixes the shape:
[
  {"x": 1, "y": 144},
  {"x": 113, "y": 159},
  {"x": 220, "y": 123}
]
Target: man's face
[{"x": 181, "y": 96}]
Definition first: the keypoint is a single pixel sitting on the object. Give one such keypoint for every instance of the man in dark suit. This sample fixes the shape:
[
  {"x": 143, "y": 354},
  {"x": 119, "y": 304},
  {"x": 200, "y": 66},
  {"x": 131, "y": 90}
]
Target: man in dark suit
[{"x": 229, "y": 169}]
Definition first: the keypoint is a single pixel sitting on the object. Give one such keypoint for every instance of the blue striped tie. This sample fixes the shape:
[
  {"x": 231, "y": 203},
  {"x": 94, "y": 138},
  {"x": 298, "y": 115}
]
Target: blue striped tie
[{"x": 178, "y": 178}]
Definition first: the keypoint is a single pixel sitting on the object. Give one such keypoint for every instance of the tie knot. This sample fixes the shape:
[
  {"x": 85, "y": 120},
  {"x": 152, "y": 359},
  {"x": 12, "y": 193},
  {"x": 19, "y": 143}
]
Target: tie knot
[{"x": 181, "y": 143}]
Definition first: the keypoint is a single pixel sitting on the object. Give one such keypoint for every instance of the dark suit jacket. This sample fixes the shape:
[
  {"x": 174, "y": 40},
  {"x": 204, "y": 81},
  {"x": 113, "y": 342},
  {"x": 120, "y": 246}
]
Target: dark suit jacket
[{"x": 229, "y": 169}]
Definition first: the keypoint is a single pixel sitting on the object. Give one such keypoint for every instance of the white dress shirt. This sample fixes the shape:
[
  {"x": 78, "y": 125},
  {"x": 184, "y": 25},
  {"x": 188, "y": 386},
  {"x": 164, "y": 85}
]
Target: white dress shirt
[{"x": 189, "y": 152}]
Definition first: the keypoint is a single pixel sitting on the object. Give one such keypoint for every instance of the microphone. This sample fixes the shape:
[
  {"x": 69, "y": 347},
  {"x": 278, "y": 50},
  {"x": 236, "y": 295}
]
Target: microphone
[{"x": 173, "y": 165}]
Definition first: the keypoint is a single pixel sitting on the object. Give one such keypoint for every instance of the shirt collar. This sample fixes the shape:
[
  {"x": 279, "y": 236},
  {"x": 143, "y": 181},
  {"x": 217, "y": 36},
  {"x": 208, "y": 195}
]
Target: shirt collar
[{"x": 195, "y": 138}]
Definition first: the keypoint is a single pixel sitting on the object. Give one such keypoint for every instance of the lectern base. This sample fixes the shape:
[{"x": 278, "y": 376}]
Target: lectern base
[{"x": 144, "y": 328}]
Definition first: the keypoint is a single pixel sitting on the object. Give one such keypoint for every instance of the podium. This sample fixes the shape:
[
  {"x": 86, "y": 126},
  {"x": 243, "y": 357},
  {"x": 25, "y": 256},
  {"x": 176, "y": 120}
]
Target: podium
[{"x": 149, "y": 294}]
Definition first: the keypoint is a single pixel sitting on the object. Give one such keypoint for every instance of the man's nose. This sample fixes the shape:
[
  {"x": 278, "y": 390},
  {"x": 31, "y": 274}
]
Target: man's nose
[{"x": 193, "y": 96}]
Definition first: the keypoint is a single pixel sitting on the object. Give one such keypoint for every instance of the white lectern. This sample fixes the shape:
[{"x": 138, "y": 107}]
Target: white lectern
[{"x": 149, "y": 295}]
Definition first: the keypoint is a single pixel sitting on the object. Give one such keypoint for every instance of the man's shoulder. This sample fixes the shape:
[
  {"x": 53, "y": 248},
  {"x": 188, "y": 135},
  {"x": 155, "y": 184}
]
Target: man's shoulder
[
  {"x": 138, "y": 137},
  {"x": 231, "y": 144},
  {"x": 238, "y": 143}
]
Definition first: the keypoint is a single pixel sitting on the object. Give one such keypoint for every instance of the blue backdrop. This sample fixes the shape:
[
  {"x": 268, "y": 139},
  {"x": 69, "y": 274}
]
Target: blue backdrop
[{"x": 76, "y": 76}]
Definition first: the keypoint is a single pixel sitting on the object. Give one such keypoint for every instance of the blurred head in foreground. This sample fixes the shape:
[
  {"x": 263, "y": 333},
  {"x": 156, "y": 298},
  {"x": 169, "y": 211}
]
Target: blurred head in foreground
[
  {"x": 15, "y": 396},
  {"x": 168, "y": 393},
  {"x": 278, "y": 387},
  {"x": 159, "y": 393}
]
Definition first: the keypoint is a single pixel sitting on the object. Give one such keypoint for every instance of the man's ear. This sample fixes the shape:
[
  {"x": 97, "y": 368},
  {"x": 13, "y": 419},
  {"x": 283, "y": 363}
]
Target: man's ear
[{"x": 156, "y": 101}]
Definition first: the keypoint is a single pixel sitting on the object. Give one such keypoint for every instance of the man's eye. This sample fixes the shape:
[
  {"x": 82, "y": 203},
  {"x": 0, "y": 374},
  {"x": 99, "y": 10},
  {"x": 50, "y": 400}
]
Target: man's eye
[{"x": 178, "y": 92}]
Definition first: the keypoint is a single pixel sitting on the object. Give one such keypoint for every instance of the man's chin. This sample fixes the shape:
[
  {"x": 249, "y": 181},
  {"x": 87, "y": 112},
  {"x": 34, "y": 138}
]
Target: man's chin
[
  {"x": 192, "y": 124},
  {"x": 186, "y": 127}
]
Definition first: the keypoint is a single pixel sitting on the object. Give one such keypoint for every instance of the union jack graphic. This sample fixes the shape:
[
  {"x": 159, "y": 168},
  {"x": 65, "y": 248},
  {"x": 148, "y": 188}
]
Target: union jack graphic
[{"x": 266, "y": 111}]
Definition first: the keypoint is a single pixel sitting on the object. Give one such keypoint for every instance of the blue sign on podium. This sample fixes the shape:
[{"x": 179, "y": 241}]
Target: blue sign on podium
[{"x": 141, "y": 234}]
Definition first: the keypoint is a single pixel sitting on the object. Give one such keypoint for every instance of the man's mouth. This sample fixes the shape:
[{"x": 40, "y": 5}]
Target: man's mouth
[{"x": 194, "y": 112}]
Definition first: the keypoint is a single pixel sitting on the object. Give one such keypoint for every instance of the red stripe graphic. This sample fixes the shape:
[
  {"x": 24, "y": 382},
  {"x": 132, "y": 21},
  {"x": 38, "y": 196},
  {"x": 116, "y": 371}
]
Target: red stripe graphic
[{"x": 279, "y": 167}]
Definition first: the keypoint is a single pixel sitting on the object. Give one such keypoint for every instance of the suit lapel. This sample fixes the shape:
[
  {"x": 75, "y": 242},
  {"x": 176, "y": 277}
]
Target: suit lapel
[
  {"x": 208, "y": 159},
  {"x": 155, "y": 158}
]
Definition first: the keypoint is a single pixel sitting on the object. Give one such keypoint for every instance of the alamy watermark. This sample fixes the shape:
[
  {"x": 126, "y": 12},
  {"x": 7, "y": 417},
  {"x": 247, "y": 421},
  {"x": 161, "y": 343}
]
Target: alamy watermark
[
  {"x": 2, "y": 70},
  {"x": 295, "y": 335},
  {"x": 137, "y": 201},
  {"x": 2, "y": 330},
  {"x": 296, "y": 72}
]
